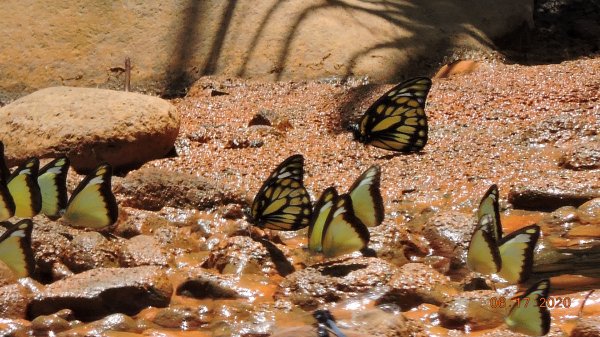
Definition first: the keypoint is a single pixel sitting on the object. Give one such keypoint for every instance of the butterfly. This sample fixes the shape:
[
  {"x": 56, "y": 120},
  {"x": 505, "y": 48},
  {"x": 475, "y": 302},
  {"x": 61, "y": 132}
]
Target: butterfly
[
  {"x": 529, "y": 315},
  {"x": 342, "y": 232},
  {"x": 366, "y": 197},
  {"x": 92, "y": 204},
  {"x": 7, "y": 204},
  {"x": 319, "y": 215},
  {"x": 52, "y": 180},
  {"x": 489, "y": 206},
  {"x": 510, "y": 257},
  {"x": 282, "y": 201},
  {"x": 326, "y": 323},
  {"x": 397, "y": 120},
  {"x": 15, "y": 248},
  {"x": 24, "y": 189}
]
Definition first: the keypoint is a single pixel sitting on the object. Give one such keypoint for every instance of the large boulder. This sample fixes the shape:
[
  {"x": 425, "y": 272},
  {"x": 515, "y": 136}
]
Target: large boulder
[
  {"x": 89, "y": 126},
  {"x": 172, "y": 43}
]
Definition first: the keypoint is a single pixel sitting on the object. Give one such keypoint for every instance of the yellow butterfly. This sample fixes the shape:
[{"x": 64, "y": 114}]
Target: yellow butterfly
[
  {"x": 15, "y": 248},
  {"x": 282, "y": 202},
  {"x": 319, "y": 216},
  {"x": 24, "y": 189},
  {"x": 529, "y": 315},
  {"x": 397, "y": 120},
  {"x": 52, "y": 180},
  {"x": 489, "y": 206},
  {"x": 92, "y": 204},
  {"x": 510, "y": 257},
  {"x": 7, "y": 204},
  {"x": 343, "y": 232},
  {"x": 366, "y": 197}
]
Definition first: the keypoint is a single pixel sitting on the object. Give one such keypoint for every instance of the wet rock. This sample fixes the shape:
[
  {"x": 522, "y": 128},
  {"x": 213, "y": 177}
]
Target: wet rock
[
  {"x": 152, "y": 188},
  {"x": 589, "y": 212},
  {"x": 333, "y": 281},
  {"x": 587, "y": 327},
  {"x": 583, "y": 154},
  {"x": 104, "y": 126},
  {"x": 479, "y": 310},
  {"x": 416, "y": 283},
  {"x": 90, "y": 250},
  {"x": 11, "y": 327},
  {"x": 60, "y": 271},
  {"x": 50, "y": 241},
  {"x": 182, "y": 317},
  {"x": 142, "y": 250},
  {"x": 133, "y": 222},
  {"x": 203, "y": 284},
  {"x": 14, "y": 300},
  {"x": 271, "y": 118},
  {"x": 549, "y": 198},
  {"x": 311, "y": 331},
  {"x": 449, "y": 234},
  {"x": 45, "y": 323},
  {"x": 377, "y": 322},
  {"x": 99, "y": 292},
  {"x": 243, "y": 255}
]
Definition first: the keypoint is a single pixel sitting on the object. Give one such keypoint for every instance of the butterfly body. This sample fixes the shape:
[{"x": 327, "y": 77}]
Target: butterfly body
[
  {"x": 343, "y": 232},
  {"x": 397, "y": 120},
  {"x": 282, "y": 202}
]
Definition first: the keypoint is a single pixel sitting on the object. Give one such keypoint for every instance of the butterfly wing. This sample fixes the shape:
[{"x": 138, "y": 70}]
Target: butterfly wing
[
  {"x": 516, "y": 253},
  {"x": 4, "y": 171},
  {"x": 489, "y": 205},
  {"x": 282, "y": 203},
  {"x": 343, "y": 232},
  {"x": 397, "y": 120},
  {"x": 529, "y": 315},
  {"x": 24, "y": 189},
  {"x": 483, "y": 255},
  {"x": 15, "y": 248},
  {"x": 92, "y": 204},
  {"x": 319, "y": 215},
  {"x": 366, "y": 197},
  {"x": 52, "y": 180}
]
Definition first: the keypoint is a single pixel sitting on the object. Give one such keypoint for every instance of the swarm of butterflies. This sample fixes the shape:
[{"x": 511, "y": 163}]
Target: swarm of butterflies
[
  {"x": 337, "y": 225},
  {"x": 29, "y": 191}
]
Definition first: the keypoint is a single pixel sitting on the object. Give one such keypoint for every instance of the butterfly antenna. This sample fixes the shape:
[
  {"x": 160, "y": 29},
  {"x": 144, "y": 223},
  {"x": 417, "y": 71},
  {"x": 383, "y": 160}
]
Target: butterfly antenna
[{"x": 580, "y": 313}]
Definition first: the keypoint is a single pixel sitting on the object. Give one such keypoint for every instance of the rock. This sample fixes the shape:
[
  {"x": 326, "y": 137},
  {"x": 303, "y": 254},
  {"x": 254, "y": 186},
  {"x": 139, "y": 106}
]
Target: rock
[
  {"x": 11, "y": 327},
  {"x": 133, "y": 222},
  {"x": 583, "y": 154},
  {"x": 103, "y": 126},
  {"x": 482, "y": 309},
  {"x": 271, "y": 118},
  {"x": 183, "y": 41},
  {"x": 377, "y": 322},
  {"x": 549, "y": 198},
  {"x": 102, "y": 291},
  {"x": 586, "y": 327},
  {"x": 589, "y": 212},
  {"x": 14, "y": 300},
  {"x": 90, "y": 250},
  {"x": 449, "y": 234},
  {"x": 203, "y": 284},
  {"x": 243, "y": 255},
  {"x": 142, "y": 250},
  {"x": 416, "y": 283},
  {"x": 153, "y": 188},
  {"x": 50, "y": 242},
  {"x": 54, "y": 323},
  {"x": 182, "y": 317},
  {"x": 333, "y": 281}
]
